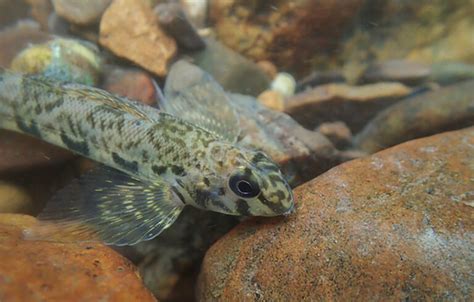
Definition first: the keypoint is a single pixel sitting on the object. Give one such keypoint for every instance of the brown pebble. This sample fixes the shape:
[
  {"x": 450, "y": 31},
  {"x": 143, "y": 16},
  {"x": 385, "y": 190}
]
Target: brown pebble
[{"x": 272, "y": 99}]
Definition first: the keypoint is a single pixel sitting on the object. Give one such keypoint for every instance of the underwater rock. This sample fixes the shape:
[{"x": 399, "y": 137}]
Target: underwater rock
[
  {"x": 174, "y": 21},
  {"x": 16, "y": 38},
  {"x": 268, "y": 68},
  {"x": 354, "y": 105},
  {"x": 337, "y": 132},
  {"x": 294, "y": 35},
  {"x": 11, "y": 11},
  {"x": 421, "y": 31},
  {"x": 46, "y": 271},
  {"x": 58, "y": 26},
  {"x": 196, "y": 11},
  {"x": 129, "y": 29},
  {"x": 284, "y": 83},
  {"x": 272, "y": 99},
  {"x": 317, "y": 78},
  {"x": 82, "y": 12},
  {"x": 445, "y": 109},
  {"x": 169, "y": 264},
  {"x": 14, "y": 199},
  {"x": 404, "y": 71},
  {"x": 40, "y": 11},
  {"x": 20, "y": 152},
  {"x": 67, "y": 60},
  {"x": 234, "y": 72},
  {"x": 131, "y": 83},
  {"x": 451, "y": 72},
  {"x": 396, "y": 225}
]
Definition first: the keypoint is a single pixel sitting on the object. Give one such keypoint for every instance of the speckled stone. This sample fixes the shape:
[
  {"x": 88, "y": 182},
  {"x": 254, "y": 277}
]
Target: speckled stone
[
  {"x": 397, "y": 225},
  {"x": 47, "y": 271}
]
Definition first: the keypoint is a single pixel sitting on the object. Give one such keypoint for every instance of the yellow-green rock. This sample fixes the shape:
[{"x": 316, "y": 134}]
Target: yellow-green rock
[{"x": 66, "y": 60}]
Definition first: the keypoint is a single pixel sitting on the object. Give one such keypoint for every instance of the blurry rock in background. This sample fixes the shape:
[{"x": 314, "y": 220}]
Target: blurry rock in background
[
  {"x": 295, "y": 35},
  {"x": 445, "y": 109},
  {"x": 424, "y": 32},
  {"x": 130, "y": 30},
  {"x": 17, "y": 37},
  {"x": 83, "y": 12},
  {"x": 196, "y": 11},
  {"x": 12, "y": 11},
  {"x": 132, "y": 83},
  {"x": 174, "y": 21},
  {"x": 354, "y": 105},
  {"x": 337, "y": 132},
  {"x": 65, "y": 60},
  {"x": 406, "y": 72},
  {"x": 234, "y": 72}
]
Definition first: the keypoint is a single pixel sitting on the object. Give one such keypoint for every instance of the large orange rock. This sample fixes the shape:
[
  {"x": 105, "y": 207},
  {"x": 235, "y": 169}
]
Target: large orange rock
[
  {"x": 397, "y": 225},
  {"x": 130, "y": 30},
  {"x": 46, "y": 271}
]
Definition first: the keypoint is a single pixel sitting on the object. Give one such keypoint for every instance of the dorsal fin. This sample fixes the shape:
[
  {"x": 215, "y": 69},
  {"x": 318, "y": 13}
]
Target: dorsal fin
[{"x": 193, "y": 95}]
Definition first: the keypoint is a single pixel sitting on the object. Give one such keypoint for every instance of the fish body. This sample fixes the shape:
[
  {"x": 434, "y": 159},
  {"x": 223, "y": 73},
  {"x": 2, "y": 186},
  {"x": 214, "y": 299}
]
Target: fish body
[{"x": 154, "y": 162}]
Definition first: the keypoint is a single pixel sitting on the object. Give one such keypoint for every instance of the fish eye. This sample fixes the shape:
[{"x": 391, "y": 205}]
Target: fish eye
[{"x": 243, "y": 186}]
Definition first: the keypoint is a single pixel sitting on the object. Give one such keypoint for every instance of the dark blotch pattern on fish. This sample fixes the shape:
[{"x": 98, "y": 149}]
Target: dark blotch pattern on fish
[
  {"x": 243, "y": 207},
  {"x": 78, "y": 147},
  {"x": 178, "y": 171},
  {"x": 131, "y": 166},
  {"x": 31, "y": 129}
]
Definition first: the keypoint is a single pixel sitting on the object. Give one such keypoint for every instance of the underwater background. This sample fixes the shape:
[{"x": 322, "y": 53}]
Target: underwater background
[{"x": 367, "y": 106}]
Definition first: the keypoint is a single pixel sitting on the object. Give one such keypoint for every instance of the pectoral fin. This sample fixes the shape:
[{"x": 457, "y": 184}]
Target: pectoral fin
[
  {"x": 109, "y": 206},
  {"x": 193, "y": 95}
]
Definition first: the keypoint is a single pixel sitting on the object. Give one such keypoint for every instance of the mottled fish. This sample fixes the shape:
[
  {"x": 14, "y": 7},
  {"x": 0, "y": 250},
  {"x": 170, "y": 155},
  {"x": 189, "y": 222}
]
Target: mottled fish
[{"x": 153, "y": 162}]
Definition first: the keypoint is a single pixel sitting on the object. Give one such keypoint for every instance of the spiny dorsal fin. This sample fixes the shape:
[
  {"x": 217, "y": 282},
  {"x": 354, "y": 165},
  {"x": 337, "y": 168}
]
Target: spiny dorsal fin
[
  {"x": 91, "y": 94},
  {"x": 110, "y": 206},
  {"x": 193, "y": 95}
]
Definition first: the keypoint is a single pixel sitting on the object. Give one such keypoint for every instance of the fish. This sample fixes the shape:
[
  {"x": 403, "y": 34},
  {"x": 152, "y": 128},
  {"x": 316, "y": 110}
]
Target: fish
[{"x": 151, "y": 162}]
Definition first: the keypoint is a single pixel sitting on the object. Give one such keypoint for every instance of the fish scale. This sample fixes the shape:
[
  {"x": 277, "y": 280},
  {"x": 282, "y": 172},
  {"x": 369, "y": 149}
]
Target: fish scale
[
  {"x": 150, "y": 163},
  {"x": 100, "y": 127}
]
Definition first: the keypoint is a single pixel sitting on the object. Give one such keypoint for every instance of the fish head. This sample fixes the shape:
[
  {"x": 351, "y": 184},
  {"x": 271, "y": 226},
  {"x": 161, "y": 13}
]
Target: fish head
[{"x": 246, "y": 183}]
